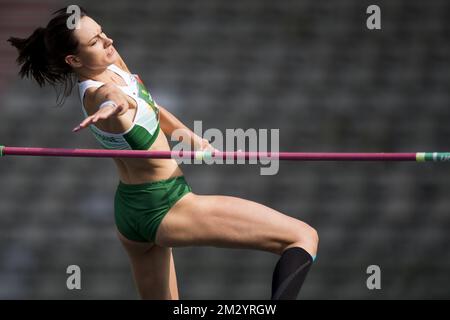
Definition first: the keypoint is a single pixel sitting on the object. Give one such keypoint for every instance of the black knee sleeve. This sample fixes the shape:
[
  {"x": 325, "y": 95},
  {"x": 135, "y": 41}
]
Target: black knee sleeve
[{"x": 289, "y": 273}]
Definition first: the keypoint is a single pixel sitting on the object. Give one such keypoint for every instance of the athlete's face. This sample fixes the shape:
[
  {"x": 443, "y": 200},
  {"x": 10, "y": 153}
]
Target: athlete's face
[{"x": 95, "y": 49}]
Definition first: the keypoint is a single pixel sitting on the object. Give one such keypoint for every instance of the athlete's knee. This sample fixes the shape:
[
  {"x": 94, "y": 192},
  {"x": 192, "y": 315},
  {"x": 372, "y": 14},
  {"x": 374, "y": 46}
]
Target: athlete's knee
[
  {"x": 313, "y": 235},
  {"x": 309, "y": 234},
  {"x": 314, "y": 240},
  {"x": 306, "y": 237}
]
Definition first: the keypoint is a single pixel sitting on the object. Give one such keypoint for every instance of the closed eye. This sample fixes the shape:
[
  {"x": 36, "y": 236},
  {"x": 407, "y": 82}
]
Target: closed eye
[{"x": 101, "y": 32}]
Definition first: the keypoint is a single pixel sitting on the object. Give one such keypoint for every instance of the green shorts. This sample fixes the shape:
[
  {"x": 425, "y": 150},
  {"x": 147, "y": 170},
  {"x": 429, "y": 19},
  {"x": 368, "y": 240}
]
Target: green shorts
[{"x": 140, "y": 208}]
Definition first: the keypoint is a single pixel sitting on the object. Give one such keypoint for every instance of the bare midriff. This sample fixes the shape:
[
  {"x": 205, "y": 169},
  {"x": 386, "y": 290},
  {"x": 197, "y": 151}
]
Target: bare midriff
[
  {"x": 139, "y": 170},
  {"x": 136, "y": 171}
]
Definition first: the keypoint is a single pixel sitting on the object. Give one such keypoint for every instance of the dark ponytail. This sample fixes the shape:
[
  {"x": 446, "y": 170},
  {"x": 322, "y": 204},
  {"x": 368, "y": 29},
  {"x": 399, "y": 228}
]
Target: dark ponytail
[
  {"x": 32, "y": 55},
  {"x": 42, "y": 55}
]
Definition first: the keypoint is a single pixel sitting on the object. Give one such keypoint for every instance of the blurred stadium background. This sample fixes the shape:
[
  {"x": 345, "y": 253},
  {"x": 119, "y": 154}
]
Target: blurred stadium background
[{"x": 310, "y": 68}]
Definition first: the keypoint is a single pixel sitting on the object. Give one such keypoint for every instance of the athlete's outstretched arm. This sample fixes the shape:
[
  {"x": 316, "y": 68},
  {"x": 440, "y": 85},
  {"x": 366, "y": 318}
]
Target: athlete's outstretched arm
[
  {"x": 169, "y": 123},
  {"x": 114, "y": 101}
]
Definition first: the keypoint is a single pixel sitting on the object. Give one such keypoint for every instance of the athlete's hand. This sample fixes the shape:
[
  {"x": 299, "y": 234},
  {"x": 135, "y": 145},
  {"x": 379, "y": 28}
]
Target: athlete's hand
[
  {"x": 102, "y": 114},
  {"x": 206, "y": 146}
]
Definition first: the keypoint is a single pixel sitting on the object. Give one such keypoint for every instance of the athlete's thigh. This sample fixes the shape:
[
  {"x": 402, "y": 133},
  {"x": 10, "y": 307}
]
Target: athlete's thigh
[{"x": 225, "y": 221}]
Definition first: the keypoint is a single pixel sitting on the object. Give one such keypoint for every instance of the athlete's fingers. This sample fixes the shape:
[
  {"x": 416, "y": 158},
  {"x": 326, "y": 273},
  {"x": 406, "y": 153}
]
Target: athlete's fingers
[
  {"x": 86, "y": 122},
  {"x": 83, "y": 124},
  {"x": 108, "y": 112},
  {"x": 102, "y": 114},
  {"x": 79, "y": 127}
]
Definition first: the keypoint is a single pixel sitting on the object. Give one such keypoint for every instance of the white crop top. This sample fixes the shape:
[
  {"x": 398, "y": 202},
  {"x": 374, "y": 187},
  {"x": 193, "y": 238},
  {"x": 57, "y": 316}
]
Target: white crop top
[{"x": 145, "y": 127}]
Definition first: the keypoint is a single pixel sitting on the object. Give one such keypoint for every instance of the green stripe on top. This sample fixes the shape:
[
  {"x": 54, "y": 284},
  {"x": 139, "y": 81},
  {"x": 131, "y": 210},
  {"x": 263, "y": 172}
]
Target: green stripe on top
[
  {"x": 139, "y": 138},
  {"x": 146, "y": 96},
  {"x": 433, "y": 156}
]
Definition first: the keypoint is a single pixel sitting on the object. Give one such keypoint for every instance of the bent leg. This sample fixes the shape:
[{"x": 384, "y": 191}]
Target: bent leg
[
  {"x": 233, "y": 222},
  {"x": 224, "y": 221}
]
